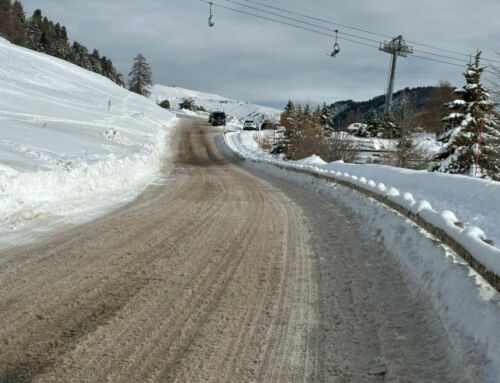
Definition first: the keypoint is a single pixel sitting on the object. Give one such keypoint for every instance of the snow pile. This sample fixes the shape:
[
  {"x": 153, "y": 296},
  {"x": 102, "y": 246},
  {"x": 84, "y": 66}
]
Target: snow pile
[
  {"x": 474, "y": 201},
  {"x": 70, "y": 139},
  {"x": 213, "y": 103},
  {"x": 468, "y": 307}
]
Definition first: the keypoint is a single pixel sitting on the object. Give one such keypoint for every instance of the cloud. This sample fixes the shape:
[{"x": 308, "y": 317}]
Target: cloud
[{"x": 256, "y": 60}]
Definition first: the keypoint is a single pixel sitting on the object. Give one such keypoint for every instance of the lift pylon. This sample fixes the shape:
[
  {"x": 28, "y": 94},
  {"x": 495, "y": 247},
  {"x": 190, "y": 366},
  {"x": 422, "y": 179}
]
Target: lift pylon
[{"x": 396, "y": 47}]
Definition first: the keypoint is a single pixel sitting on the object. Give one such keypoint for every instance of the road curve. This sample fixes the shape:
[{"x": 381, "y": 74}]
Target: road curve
[{"x": 217, "y": 275}]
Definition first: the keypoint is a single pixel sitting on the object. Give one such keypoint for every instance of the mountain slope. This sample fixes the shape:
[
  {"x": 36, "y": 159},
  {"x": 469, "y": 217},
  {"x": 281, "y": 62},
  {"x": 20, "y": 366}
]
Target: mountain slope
[
  {"x": 212, "y": 103},
  {"x": 417, "y": 98},
  {"x": 61, "y": 150}
]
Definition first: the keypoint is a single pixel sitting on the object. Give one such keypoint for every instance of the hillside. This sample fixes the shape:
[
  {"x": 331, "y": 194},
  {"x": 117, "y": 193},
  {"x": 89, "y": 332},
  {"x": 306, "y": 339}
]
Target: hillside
[
  {"x": 62, "y": 150},
  {"x": 344, "y": 111},
  {"x": 212, "y": 103}
]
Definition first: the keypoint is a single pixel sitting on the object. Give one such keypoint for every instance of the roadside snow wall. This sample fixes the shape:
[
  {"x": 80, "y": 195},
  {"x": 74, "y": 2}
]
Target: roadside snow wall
[
  {"x": 71, "y": 141},
  {"x": 468, "y": 241},
  {"x": 468, "y": 306}
]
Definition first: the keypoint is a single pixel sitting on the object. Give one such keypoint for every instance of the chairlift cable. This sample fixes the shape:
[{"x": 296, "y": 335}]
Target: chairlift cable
[
  {"x": 289, "y": 24},
  {"x": 342, "y": 33},
  {"x": 366, "y": 31},
  {"x": 331, "y": 35}
]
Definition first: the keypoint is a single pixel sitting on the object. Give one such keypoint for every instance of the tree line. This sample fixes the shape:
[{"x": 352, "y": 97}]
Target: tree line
[{"x": 43, "y": 35}]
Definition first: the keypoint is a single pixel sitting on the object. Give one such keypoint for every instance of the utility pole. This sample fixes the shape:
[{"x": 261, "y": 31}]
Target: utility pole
[{"x": 396, "y": 47}]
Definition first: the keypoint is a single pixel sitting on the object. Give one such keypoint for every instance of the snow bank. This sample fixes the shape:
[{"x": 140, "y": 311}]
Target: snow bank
[
  {"x": 71, "y": 140},
  {"x": 468, "y": 306},
  {"x": 437, "y": 198},
  {"x": 212, "y": 103}
]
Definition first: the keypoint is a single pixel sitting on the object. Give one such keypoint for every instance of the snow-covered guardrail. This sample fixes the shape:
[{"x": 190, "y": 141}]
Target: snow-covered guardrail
[{"x": 469, "y": 242}]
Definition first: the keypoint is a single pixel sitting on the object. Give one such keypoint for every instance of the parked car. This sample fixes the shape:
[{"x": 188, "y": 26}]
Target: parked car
[
  {"x": 269, "y": 125},
  {"x": 251, "y": 125},
  {"x": 210, "y": 118},
  {"x": 218, "y": 119}
]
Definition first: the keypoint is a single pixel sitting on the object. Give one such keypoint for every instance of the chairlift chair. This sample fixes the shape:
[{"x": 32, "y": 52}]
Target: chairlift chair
[
  {"x": 210, "y": 22},
  {"x": 336, "y": 47}
]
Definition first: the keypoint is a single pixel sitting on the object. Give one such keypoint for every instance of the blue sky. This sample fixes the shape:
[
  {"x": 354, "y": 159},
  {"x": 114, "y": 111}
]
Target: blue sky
[{"x": 263, "y": 62}]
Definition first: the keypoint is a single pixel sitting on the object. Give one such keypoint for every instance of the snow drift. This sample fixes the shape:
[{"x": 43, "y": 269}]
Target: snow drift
[
  {"x": 458, "y": 205},
  {"x": 70, "y": 140}
]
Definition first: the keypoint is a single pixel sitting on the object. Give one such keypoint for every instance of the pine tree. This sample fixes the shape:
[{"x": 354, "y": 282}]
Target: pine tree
[
  {"x": 471, "y": 130},
  {"x": 289, "y": 122},
  {"x": 326, "y": 116},
  {"x": 373, "y": 125},
  {"x": 95, "y": 59},
  {"x": 388, "y": 127},
  {"x": 34, "y": 31},
  {"x": 140, "y": 77}
]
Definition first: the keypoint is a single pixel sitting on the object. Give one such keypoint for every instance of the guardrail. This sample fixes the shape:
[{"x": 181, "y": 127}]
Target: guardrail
[{"x": 442, "y": 225}]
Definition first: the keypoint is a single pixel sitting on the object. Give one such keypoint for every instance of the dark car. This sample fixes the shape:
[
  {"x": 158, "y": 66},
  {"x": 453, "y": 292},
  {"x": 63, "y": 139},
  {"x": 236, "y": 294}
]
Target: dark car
[
  {"x": 218, "y": 119},
  {"x": 269, "y": 125},
  {"x": 210, "y": 117}
]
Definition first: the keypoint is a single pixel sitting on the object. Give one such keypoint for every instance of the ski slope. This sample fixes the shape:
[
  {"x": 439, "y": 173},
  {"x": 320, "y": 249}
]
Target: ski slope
[
  {"x": 71, "y": 142},
  {"x": 211, "y": 102}
]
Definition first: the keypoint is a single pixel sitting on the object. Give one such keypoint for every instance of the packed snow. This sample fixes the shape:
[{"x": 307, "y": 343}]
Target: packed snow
[
  {"x": 71, "y": 142},
  {"x": 441, "y": 199},
  {"x": 241, "y": 110}
]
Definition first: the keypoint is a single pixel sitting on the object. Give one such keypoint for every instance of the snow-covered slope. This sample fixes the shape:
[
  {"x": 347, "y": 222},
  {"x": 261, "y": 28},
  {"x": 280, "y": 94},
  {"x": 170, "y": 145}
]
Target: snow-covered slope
[
  {"x": 70, "y": 139},
  {"x": 212, "y": 103}
]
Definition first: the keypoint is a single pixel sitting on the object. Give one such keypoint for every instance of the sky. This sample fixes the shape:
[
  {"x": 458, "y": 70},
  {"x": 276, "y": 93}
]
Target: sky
[{"x": 251, "y": 59}]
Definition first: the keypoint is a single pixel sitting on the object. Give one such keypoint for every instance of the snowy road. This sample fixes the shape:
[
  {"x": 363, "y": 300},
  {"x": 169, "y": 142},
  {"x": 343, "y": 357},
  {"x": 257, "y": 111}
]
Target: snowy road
[{"x": 217, "y": 275}]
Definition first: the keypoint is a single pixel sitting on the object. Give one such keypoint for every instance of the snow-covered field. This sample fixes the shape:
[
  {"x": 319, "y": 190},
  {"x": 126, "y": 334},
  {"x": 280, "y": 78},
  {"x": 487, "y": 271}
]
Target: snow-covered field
[
  {"x": 240, "y": 110},
  {"x": 71, "y": 142},
  {"x": 468, "y": 306}
]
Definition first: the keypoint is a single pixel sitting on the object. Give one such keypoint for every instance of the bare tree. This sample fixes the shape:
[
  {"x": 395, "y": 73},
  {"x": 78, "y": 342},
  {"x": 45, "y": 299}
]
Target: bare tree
[{"x": 340, "y": 146}]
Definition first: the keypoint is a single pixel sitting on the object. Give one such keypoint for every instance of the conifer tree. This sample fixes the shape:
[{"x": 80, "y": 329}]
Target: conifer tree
[
  {"x": 470, "y": 131},
  {"x": 326, "y": 116},
  {"x": 34, "y": 31},
  {"x": 140, "y": 77},
  {"x": 373, "y": 125},
  {"x": 389, "y": 128},
  {"x": 95, "y": 59}
]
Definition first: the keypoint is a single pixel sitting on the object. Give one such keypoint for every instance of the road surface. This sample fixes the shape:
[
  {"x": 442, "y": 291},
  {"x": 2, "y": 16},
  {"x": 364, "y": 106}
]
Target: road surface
[{"x": 217, "y": 275}]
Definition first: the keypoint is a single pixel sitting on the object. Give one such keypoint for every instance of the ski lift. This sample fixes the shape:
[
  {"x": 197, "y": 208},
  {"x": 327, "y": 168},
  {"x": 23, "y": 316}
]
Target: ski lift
[
  {"x": 210, "y": 22},
  {"x": 336, "y": 47}
]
